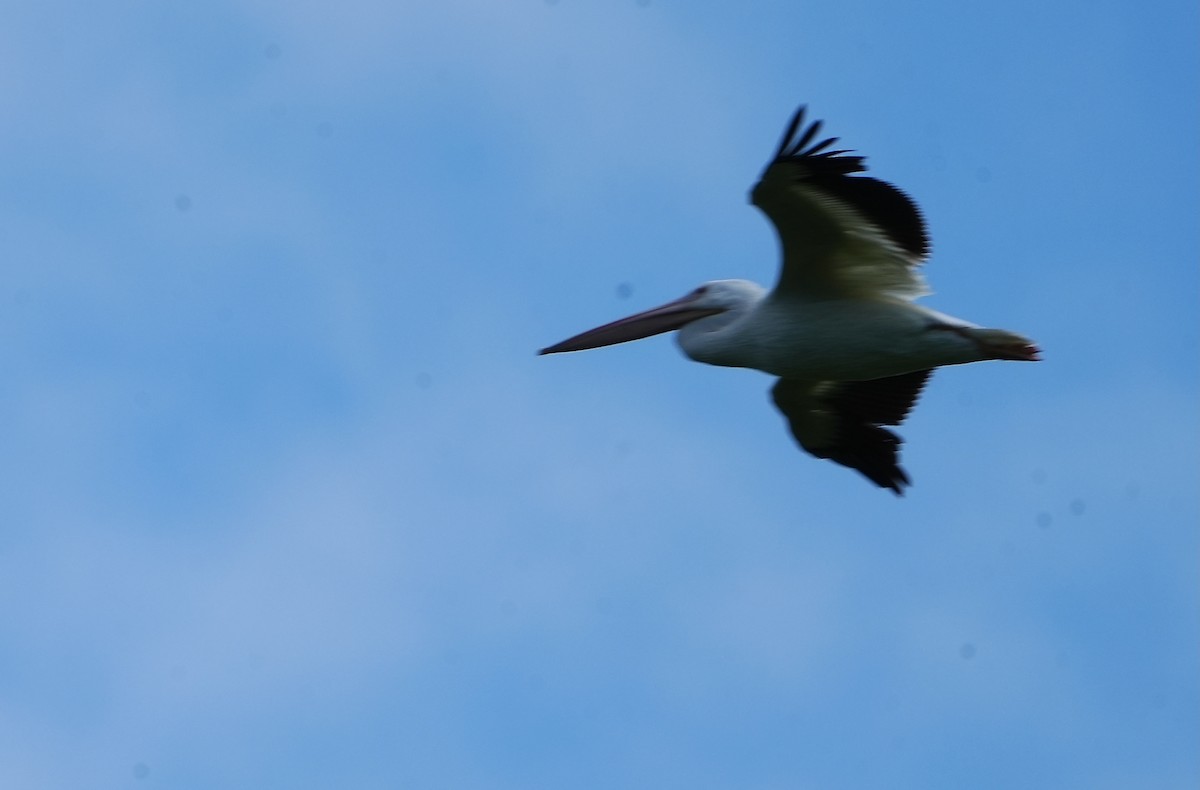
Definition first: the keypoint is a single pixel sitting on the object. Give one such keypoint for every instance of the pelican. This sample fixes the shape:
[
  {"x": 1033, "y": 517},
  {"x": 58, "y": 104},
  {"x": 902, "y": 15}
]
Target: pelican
[{"x": 841, "y": 329}]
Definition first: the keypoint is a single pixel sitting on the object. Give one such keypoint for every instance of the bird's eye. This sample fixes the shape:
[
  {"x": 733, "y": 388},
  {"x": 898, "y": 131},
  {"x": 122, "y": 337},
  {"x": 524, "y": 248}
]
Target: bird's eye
[{"x": 701, "y": 290}]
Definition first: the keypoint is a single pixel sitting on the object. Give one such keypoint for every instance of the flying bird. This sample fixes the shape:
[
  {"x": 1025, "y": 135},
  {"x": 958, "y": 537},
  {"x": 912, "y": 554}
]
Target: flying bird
[{"x": 841, "y": 329}]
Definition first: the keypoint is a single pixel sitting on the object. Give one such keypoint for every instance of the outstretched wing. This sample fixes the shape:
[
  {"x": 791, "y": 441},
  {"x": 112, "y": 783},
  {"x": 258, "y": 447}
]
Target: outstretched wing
[
  {"x": 841, "y": 421},
  {"x": 842, "y": 234}
]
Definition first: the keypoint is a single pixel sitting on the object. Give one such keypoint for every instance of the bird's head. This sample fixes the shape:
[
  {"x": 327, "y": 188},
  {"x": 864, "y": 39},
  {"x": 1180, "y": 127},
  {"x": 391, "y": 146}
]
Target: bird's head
[{"x": 712, "y": 298}]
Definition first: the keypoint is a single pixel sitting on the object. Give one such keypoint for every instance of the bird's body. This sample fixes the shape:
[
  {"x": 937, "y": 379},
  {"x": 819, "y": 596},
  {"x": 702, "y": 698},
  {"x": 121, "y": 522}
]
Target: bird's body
[
  {"x": 841, "y": 329},
  {"x": 820, "y": 340}
]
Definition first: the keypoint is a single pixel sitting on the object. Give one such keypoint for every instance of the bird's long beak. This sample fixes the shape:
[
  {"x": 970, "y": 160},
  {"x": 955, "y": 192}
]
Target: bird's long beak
[{"x": 652, "y": 322}]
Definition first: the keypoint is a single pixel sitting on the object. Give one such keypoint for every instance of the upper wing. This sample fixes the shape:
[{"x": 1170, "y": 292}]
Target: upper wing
[
  {"x": 841, "y": 421},
  {"x": 842, "y": 234}
]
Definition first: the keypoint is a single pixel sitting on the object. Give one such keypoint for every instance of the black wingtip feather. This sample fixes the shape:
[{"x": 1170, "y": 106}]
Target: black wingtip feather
[
  {"x": 796, "y": 146},
  {"x": 807, "y": 137},
  {"x": 819, "y": 148},
  {"x": 788, "y": 133},
  {"x": 874, "y": 452}
]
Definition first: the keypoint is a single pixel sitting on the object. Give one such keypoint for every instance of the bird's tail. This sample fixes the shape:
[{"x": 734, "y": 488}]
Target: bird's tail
[{"x": 1002, "y": 344}]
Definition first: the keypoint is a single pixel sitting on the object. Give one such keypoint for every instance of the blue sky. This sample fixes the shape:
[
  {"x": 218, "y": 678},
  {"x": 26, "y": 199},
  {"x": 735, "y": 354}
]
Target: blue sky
[{"x": 288, "y": 501}]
